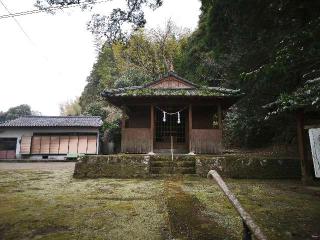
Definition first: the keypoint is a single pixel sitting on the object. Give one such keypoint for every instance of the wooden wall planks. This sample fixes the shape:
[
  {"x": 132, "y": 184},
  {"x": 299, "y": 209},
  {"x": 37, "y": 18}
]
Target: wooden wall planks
[
  {"x": 73, "y": 144},
  {"x": 171, "y": 83},
  {"x": 25, "y": 145},
  {"x": 136, "y": 140},
  {"x": 206, "y": 141},
  {"x": 45, "y": 145},
  {"x": 35, "y": 145},
  {"x": 54, "y": 144},
  {"x": 85, "y": 144},
  {"x": 92, "y": 145},
  {"x": 64, "y": 145},
  {"x": 7, "y": 154}
]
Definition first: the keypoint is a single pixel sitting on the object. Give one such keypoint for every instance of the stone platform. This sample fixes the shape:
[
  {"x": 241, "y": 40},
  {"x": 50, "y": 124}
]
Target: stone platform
[{"x": 145, "y": 166}]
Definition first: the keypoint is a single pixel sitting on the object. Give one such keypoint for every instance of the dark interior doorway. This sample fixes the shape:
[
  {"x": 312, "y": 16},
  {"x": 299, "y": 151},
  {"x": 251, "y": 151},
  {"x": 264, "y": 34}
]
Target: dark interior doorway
[
  {"x": 171, "y": 128},
  {"x": 8, "y": 148}
]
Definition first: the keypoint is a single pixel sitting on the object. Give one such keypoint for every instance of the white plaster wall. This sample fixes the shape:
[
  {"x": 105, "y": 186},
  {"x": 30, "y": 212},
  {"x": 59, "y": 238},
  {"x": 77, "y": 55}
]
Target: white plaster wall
[
  {"x": 16, "y": 133},
  {"x": 19, "y": 132},
  {"x": 50, "y": 157}
]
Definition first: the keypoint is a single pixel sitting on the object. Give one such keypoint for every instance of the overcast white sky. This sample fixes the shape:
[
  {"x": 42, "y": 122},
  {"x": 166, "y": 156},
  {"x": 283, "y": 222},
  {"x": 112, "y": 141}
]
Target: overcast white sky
[{"x": 51, "y": 67}]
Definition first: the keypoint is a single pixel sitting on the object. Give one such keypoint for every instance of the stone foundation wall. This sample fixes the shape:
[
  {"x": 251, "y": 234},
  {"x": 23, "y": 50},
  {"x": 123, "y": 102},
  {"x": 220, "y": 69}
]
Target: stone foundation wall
[
  {"x": 234, "y": 166},
  {"x": 239, "y": 166},
  {"x": 112, "y": 166}
]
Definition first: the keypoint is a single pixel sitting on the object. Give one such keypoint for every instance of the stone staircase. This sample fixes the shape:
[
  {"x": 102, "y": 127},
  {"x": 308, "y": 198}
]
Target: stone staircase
[
  {"x": 167, "y": 151},
  {"x": 164, "y": 165}
]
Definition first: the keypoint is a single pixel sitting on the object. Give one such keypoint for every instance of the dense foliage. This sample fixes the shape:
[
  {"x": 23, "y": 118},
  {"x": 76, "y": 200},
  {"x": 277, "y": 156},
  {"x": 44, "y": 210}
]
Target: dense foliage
[
  {"x": 306, "y": 97},
  {"x": 262, "y": 47},
  {"x": 266, "y": 48},
  {"x": 145, "y": 56},
  {"x": 110, "y": 28},
  {"x": 70, "y": 108},
  {"x": 15, "y": 112}
]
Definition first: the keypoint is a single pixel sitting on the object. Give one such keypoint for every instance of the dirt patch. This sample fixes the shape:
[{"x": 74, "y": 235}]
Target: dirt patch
[{"x": 186, "y": 217}]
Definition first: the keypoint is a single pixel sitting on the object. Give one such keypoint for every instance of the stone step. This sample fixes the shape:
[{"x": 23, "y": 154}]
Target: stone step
[
  {"x": 167, "y": 151},
  {"x": 172, "y": 170},
  {"x": 177, "y": 158},
  {"x": 161, "y": 170},
  {"x": 173, "y": 175},
  {"x": 172, "y": 163},
  {"x": 162, "y": 164},
  {"x": 185, "y": 170}
]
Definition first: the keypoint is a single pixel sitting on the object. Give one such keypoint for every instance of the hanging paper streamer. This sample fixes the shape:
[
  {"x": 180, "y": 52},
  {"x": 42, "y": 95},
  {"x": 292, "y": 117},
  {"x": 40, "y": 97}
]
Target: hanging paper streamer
[{"x": 164, "y": 119}]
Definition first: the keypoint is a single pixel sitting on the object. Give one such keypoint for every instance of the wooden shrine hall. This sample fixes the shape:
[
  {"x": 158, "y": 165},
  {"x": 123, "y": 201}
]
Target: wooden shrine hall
[{"x": 171, "y": 113}]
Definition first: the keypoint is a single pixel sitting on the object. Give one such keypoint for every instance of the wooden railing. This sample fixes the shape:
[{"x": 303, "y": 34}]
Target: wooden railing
[
  {"x": 136, "y": 140},
  {"x": 206, "y": 141},
  {"x": 249, "y": 226}
]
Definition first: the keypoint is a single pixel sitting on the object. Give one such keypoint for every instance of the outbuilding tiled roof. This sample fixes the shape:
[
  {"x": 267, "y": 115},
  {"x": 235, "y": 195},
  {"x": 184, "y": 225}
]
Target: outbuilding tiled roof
[{"x": 54, "y": 121}]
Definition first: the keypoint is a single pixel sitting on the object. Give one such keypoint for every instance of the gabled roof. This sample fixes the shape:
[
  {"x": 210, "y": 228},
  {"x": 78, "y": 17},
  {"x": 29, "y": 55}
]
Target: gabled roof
[
  {"x": 185, "y": 89},
  {"x": 54, "y": 121},
  {"x": 171, "y": 77}
]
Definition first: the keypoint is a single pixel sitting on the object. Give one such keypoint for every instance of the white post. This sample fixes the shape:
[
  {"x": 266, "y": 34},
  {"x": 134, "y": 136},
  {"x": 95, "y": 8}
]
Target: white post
[
  {"x": 98, "y": 143},
  {"x": 171, "y": 148},
  {"x": 18, "y": 155},
  {"x": 314, "y": 135}
]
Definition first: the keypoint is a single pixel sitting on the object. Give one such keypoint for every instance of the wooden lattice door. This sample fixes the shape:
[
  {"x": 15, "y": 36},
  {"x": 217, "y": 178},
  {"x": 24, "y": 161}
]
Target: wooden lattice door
[{"x": 170, "y": 128}]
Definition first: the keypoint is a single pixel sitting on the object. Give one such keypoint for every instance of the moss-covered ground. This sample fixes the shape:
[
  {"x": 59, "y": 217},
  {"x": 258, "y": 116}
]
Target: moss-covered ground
[{"x": 50, "y": 204}]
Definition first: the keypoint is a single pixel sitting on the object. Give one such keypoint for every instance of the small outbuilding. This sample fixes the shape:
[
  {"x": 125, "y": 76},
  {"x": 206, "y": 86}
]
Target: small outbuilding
[
  {"x": 49, "y": 137},
  {"x": 171, "y": 113}
]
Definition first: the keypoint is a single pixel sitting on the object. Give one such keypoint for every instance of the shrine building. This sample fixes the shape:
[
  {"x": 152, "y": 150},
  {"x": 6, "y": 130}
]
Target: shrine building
[{"x": 172, "y": 113}]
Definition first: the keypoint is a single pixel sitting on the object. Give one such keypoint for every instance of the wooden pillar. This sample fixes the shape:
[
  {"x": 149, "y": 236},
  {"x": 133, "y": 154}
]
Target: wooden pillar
[
  {"x": 123, "y": 126},
  {"x": 190, "y": 127},
  {"x": 123, "y": 119},
  {"x": 305, "y": 165},
  {"x": 220, "y": 116},
  {"x": 151, "y": 127},
  {"x": 219, "y": 145}
]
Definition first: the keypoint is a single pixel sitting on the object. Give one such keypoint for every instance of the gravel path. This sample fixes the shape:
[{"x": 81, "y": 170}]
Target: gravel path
[{"x": 47, "y": 166}]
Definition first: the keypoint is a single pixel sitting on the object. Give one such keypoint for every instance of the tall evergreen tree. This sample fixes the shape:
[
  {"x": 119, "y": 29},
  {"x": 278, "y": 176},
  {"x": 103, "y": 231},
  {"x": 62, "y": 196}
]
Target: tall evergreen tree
[{"x": 262, "y": 47}]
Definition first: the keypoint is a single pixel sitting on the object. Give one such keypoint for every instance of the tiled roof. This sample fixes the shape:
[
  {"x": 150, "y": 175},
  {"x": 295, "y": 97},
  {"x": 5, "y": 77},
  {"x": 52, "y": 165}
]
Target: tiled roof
[
  {"x": 194, "y": 90},
  {"x": 54, "y": 121},
  {"x": 149, "y": 92}
]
